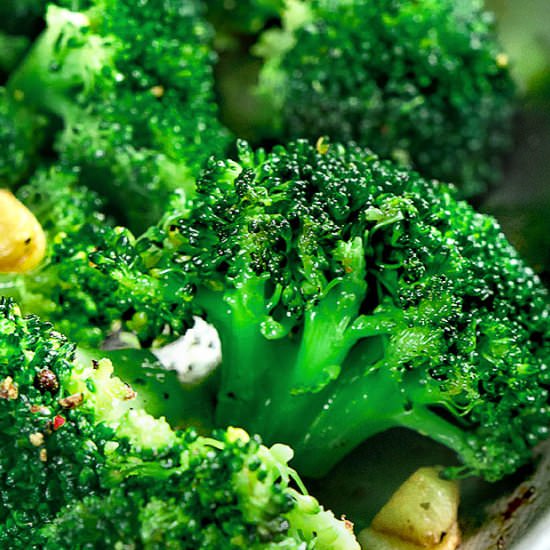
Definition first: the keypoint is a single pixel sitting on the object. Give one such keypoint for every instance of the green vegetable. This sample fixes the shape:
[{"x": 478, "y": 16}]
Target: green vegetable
[
  {"x": 131, "y": 85},
  {"x": 423, "y": 82},
  {"x": 81, "y": 464},
  {"x": 350, "y": 297}
]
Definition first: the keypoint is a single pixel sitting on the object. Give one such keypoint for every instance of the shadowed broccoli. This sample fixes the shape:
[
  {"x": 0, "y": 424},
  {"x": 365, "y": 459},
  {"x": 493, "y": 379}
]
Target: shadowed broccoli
[
  {"x": 12, "y": 50},
  {"x": 78, "y": 453},
  {"x": 245, "y": 16},
  {"x": 422, "y": 82},
  {"x": 132, "y": 85},
  {"x": 350, "y": 297},
  {"x": 22, "y": 17}
]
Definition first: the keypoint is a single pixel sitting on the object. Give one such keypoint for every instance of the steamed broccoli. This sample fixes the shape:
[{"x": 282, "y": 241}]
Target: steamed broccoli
[
  {"x": 350, "y": 297},
  {"x": 131, "y": 83},
  {"x": 422, "y": 82},
  {"x": 78, "y": 453},
  {"x": 21, "y": 136}
]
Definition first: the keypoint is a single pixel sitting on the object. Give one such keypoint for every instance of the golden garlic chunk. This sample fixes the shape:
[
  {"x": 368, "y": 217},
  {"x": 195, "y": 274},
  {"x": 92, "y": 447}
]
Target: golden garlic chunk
[{"x": 22, "y": 240}]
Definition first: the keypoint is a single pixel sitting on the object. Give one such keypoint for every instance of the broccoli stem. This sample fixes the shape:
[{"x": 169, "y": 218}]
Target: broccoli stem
[
  {"x": 238, "y": 317},
  {"x": 360, "y": 407}
]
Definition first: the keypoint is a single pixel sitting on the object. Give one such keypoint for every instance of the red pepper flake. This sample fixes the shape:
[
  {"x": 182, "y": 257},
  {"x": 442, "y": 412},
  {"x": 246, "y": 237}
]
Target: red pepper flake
[{"x": 58, "y": 422}]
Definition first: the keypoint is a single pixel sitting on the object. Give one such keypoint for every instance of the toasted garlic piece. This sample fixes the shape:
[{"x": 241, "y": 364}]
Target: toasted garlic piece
[
  {"x": 420, "y": 515},
  {"x": 373, "y": 540},
  {"x": 22, "y": 240}
]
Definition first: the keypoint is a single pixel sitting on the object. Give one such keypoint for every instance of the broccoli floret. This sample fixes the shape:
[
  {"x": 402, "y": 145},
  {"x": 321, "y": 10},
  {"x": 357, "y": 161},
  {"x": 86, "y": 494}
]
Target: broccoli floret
[
  {"x": 77, "y": 453},
  {"x": 421, "y": 82},
  {"x": 21, "y": 136},
  {"x": 236, "y": 495},
  {"x": 350, "y": 297},
  {"x": 132, "y": 85}
]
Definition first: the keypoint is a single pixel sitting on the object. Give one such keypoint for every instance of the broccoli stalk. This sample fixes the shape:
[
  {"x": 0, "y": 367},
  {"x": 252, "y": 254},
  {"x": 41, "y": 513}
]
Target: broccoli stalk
[{"x": 78, "y": 450}]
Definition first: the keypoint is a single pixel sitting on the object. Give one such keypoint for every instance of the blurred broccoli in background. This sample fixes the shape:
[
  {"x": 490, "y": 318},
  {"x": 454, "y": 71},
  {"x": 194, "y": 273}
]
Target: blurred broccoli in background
[
  {"x": 132, "y": 88},
  {"x": 385, "y": 74},
  {"x": 522, "y": 199},
  {"x": 22, "y": 17},
  {"x": 22, "y": 133},
  {"x": 242, "y": 16}
]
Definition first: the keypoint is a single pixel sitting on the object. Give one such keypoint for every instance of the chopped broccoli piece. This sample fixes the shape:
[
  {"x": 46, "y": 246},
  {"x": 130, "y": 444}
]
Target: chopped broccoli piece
[
  {"x": 424, "y": 83},
  {"x": 350, "y": 297},
  {"x": 132, "y": 85},
  {"x": 59, "y": 202},
  {"x": 77, "y": 453}
]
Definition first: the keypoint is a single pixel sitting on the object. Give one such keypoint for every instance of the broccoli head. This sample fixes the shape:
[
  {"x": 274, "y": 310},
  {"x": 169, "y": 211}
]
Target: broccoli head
[
  {"x": 350, "y": 296},
  {"x": 131, "y": 83},
  {"x": 77, "y": 452},
  {"x": 421, "y": 82}
]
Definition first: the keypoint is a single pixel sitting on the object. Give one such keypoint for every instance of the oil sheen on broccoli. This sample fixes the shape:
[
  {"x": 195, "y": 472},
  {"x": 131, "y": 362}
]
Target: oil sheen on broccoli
[
  {"x": 82, "y": 464},
  {"x": 421, "y": 82},
  {"x": 130, "y": 84},
  {"x": 351, "y": 296}
]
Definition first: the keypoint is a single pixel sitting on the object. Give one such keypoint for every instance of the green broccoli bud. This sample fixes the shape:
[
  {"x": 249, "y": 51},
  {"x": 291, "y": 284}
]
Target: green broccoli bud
[
  {"x": 423, "y": 83},
  {"x": 70, "y": 216},
  {"x": 22, "y": 17}
]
